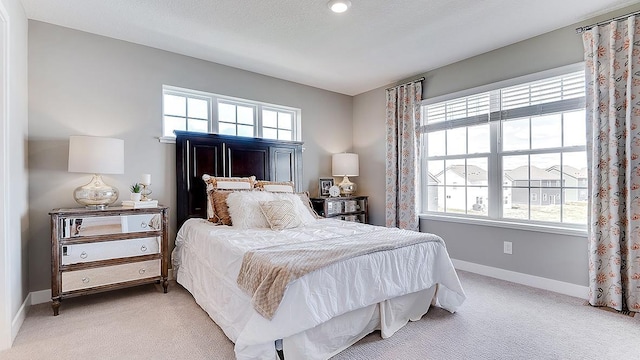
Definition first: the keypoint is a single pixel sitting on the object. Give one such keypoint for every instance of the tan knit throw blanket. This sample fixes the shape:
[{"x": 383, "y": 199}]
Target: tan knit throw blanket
[{"x": 266, "y": 272}]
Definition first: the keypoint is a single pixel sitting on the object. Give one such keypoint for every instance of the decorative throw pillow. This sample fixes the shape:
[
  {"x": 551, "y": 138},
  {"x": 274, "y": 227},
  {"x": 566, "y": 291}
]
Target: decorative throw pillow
[
  {"x": 273, "y": 186},
  {"x": 227, "y": 182},
  {"x": 301, "y": 209},
  {"x": 244, "y": 208},
  {"x": 214, "y": 183},
  {"x": 221, "y": 210},
  {"x": 304, "y": 197},
  {"x": 280, "y": 214}
]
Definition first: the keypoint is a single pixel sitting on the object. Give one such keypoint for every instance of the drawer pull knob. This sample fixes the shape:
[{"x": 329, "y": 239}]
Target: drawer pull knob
[
  {"x": 85, "y": 280},
  {"x": 142, "y": 271},
  {"x": 83, "y": 255},
  {"x": 143, "y": 225},
  {"x": 143, "y": 248}
]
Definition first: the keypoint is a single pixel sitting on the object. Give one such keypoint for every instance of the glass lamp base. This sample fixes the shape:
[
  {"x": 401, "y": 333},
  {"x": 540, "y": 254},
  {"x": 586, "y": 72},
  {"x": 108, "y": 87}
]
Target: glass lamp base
[
  {"x": 96, "y": 194},
  {"x": 347, "y": 188}
]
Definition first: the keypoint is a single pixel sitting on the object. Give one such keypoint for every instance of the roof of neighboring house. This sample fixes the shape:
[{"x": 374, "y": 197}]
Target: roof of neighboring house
[
  {"x": 473, "y": 173},
  {"x": 477, "y": 174},
  {"x": 522, "y": 173},
  {"x": 570, "y": 171},
  {"x": 431, "y": 178}
]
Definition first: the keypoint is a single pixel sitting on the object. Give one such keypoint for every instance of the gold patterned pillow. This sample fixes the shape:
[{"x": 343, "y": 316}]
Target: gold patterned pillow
[
  {"x": 221, "y": 210},
  {"x": 280, "y": 214}
]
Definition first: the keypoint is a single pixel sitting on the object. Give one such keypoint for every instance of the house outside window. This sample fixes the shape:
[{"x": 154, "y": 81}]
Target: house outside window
[
  {"x": 197, "y": 111},
  {"x": 522, "y": 141}
]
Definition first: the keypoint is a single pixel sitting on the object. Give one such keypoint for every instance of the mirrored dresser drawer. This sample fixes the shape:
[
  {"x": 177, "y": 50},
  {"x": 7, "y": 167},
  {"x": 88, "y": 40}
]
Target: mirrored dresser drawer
[
  {"x": 88, "y": 278},
  {"x": 72, "y": 227},
  {"x": 98, "y": 250},
  {"x": 104, "y": 250}
]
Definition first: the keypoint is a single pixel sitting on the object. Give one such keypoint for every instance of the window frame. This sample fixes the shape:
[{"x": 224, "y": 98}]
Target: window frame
[
  {"x": 494, "y": 216},
  {"x": 192, "y": 95},
  {"x": 216, "y": 99}
]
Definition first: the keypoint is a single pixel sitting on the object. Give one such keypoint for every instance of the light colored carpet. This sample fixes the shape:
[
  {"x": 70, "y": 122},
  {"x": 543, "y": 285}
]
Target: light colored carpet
[{"x": 499, "y": 320}]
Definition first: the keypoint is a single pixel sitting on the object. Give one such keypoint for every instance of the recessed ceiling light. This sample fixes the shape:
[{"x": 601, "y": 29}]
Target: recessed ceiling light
[{"x": 339, "y": 6}]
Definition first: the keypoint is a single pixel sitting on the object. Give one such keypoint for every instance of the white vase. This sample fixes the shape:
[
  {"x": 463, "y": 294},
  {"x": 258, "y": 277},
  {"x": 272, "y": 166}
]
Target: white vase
[{"x": 135, "y": 196}]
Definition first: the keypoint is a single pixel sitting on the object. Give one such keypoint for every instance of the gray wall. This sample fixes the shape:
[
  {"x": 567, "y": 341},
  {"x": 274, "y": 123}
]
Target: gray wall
[
  {"x": 14, "y": 223},
  {"x": 557, "y": 257},
  {"x": 81, "y": 83}
]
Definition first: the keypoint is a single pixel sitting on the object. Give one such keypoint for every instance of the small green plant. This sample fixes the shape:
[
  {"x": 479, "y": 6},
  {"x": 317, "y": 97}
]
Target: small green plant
[{"x": 135, "y": 188}]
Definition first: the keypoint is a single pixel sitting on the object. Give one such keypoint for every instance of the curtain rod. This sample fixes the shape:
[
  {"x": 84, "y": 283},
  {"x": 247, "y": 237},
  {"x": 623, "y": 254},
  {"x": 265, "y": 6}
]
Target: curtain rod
[
  {"x": 582, "y": 29},
  {"x": 407, "y": 83}
]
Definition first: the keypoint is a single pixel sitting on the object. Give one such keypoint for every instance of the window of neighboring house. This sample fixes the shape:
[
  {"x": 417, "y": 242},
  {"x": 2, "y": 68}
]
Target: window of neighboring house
[
  {"x": 191, "y": 110},
  {"x": 519, "y": 142}
]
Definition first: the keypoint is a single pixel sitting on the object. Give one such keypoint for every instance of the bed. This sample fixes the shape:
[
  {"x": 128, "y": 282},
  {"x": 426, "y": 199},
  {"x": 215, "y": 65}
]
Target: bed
[{"x": 320, "y": 312}]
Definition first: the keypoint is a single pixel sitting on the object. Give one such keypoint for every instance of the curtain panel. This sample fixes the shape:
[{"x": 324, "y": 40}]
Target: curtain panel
[
  {"x": 403, "y": 124},
  {"x": 612, "y": 68}
]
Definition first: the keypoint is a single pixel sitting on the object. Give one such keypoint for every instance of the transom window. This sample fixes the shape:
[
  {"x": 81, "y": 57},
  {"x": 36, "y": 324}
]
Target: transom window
[
  {"x": 277, "y": 124},
  {"x": 515, "y": 152},
  {"x": 191, "y": 110},
  {"x": 187, "y": 112},
  {"x": 236, "y": 119}
]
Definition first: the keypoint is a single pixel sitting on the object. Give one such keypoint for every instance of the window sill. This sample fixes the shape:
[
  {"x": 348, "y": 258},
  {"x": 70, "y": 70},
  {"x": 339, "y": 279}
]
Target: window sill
[
  {"x": 577, "y": 231},
  {"x": 167, "y": 139}
]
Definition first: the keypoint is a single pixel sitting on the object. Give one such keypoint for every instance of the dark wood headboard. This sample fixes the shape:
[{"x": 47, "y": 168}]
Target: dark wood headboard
[{"x": 229, "y": 156}]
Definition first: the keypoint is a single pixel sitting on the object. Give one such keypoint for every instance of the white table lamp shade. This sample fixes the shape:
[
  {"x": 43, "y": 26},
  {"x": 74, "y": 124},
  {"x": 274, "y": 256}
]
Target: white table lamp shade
[
  {"x": 345, "y": 164},
  {"x": 96, "y": 155}
]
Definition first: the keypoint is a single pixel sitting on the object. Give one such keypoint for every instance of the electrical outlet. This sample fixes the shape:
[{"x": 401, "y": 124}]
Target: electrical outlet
[{"x": 508, "y": 247}]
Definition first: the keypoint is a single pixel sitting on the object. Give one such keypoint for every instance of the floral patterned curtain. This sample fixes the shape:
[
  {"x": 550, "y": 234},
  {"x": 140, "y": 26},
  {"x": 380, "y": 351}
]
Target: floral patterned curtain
[
  {"x": 403, "y": 123},
  {"x": 612, "y": 64}
]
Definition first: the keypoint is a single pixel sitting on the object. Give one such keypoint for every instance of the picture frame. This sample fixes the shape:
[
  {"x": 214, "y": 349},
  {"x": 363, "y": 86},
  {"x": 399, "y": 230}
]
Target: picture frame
[{"x": 323, "y": 186}]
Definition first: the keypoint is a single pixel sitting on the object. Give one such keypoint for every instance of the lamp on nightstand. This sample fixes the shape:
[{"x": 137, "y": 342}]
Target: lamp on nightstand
[
  {"x": 96, "y": 155},
  {"x": 345, "y": 164}
]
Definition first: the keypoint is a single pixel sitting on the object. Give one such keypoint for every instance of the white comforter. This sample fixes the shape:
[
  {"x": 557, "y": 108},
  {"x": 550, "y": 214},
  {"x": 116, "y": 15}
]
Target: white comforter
[{"x": 208, "y": 259}]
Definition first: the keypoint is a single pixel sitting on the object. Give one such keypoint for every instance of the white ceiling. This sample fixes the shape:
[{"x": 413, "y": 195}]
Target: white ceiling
[{"x": 375, "y": 43}]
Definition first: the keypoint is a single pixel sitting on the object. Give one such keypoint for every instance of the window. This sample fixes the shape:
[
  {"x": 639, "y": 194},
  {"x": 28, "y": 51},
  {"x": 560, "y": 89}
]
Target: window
[
  {"x": 277, "y": 124},
  {"x": 236, "y": 119},
  {"x": 190, "y": 110},
  {"x": 524, "y": 143},
  {"x": 187, "y": 112}
]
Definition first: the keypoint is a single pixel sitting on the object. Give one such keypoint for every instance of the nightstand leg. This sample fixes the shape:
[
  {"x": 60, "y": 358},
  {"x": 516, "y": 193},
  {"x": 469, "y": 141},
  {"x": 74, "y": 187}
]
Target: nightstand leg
[
  {"x": 55, "y": 305},
  {"x": 165, "y": 284}
]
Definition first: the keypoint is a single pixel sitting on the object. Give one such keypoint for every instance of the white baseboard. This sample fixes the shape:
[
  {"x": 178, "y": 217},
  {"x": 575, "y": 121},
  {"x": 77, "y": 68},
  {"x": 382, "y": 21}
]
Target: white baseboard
[
  {"x": 40, "y": 297},
  {"x": 20, "y": 316},
  {"x": 524, "y": 279}
]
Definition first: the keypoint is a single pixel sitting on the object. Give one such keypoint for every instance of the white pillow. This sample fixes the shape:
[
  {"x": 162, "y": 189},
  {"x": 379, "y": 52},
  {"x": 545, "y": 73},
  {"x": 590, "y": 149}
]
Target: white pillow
[
  {"x": 301, "y": 209},
  {"x": 244, "y": 208}
]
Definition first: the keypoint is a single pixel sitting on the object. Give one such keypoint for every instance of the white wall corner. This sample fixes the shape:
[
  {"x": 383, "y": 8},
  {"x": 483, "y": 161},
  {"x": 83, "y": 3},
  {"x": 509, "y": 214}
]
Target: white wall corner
[{"x": 561, "y": 287}]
